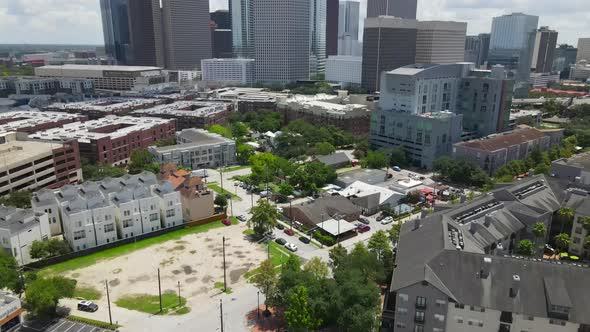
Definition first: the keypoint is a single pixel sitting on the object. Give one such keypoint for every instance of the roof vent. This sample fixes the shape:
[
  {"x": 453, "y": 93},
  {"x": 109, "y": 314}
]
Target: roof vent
[{"x": 515, "y": 285}]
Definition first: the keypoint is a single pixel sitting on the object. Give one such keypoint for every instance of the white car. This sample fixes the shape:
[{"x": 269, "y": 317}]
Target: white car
[
  {"x": 291, "y": 247},
  {"x": 387, "y": 220}
]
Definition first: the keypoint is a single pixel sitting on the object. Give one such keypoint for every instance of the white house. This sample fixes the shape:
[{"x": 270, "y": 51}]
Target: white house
[
  {"x": 370, "y": 197},
  {"x": 19, "y": 228}
]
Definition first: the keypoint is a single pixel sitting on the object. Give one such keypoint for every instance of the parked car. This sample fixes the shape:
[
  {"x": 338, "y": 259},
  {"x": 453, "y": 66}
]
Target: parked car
[
  {"x": 281, "y": 241},
  {"x": 263, "y": 194},
  {"x": 226, "y": 222},
  {"x": 280, "y": 226},
  {"x": 289, "y": 232},
  {"x": 363, "y": 228},
  {"x": 291, "y": 247},
  {"x": 270, "y": 235},
  {"x": 364, "y": 220},
  {"x": 397, "y": 168},
  {"x": 304, "y": 239},
  {"x": 87, "y": 306},
  {"x": 381, "y": 217},
  {"x": 387, "y": 220},
  {"x": 242, "y": 218}
]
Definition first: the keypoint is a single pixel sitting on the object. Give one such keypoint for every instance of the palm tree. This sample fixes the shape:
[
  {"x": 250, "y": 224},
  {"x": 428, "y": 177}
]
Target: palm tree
[
  {"x": 566, "y": 216},
  {"x": 539, "y": 231},
  {"x": 562, "y": 241}
]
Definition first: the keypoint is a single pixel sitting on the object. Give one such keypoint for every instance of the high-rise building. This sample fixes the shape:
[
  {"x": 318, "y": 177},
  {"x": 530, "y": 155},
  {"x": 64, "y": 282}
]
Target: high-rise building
[
  {"x": 133, "y": 31},
  {"x": 544, "y": 51},
  {"x": 583, "y": 49},
  {"x": 317, "y": 30},
  {"x": 484, "y": 49},
  {"x": 348, "y": 27},
  {"x": 391, "y": 42},
  {"x": 440, "y": 42},
  {"x": 398, "y": 8},
  {"x": 241, "y": 12},
  {"x": 472, "y": 47},
  {"x": 188, "y": 36},
  {"x": 282, "y": 39},
  {"x": 388, "y": 43},
  {"x": 511, "y": 45},
  {"x": 565, "y": 56},
  {"x": 332, "y": 26},
  {"x": 221, "y": 18}
]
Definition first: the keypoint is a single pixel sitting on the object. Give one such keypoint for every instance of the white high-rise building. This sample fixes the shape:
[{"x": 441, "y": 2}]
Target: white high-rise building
[
  {"x": 237, "y": 70},
  {"x": 343, "y": 69},
  {"x": 348, "y": 28},
  {"x": 282, "y": 39}
]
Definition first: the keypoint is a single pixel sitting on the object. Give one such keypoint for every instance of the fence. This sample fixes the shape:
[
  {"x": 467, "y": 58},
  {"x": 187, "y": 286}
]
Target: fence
[{"x": 89, "y": 251}]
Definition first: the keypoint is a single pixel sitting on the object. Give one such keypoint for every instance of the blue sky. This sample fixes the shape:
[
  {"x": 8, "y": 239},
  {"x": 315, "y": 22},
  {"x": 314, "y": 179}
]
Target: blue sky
[{"x": 78, "y": 21}]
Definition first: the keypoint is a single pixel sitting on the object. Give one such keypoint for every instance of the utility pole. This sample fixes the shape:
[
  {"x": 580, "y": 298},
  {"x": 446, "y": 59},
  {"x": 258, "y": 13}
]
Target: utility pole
[
  {"x": 224, "y": 273},
  {"x": 251, "y": 200},
  {"x": 221, "y": 313},
  {"x": 160, "y": 289},
  {"x": 106, "y": 283},
  {"x": 179, "y": 298},
  {"x": 258, "y": 307}
]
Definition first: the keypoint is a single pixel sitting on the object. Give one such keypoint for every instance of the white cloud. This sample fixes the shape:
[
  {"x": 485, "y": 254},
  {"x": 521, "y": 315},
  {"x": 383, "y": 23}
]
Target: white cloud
[{"x": 79, "y": 22}]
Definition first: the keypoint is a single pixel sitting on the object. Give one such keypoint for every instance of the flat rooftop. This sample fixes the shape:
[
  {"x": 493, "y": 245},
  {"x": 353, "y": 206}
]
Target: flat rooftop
[
  {"x": 336, "y": 227},
  {"x": 501, "y": 141},
  {"x": 101, "y": 67},
  {"x": 16, "y": 153},
  {"x": 197, "y": 137},
  {"x": 581, "y": 160},
  {"x": 106, "y": 105},
  {"x": 87, "y": 131},
  {"x": 15, "y": 120},
  {"x": 189, "y": 108}
]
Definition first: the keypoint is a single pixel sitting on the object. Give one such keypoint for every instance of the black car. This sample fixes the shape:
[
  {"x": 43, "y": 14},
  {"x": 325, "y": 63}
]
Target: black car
[
  {"x": 281, "y": 241},
  {"x": 364, "y": 220},
  {"x": 87, "y": 306},
  {"x": 304, "y": 239},
  {"x": 280, "y": 226}
]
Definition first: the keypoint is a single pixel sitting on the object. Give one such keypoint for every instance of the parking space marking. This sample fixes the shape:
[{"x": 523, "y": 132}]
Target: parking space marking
[
  {"x": 69, "y": 328},
  {"x": 56, "y": 328}
]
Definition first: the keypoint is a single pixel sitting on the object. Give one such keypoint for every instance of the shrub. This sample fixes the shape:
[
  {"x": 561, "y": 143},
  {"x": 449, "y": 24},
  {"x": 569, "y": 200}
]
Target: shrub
[{"x": 324, "y": 239}]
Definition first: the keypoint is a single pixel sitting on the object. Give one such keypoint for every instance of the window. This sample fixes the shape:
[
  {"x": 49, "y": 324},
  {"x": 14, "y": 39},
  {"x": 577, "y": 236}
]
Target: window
[
  {"x": 576, "y": 240},
  {"x": 419, "y": 328},
  {"x": 420, "y": 302},
  {"x": 439, "y": 317},
  {"x": 529, "y": 317},
  {"x": 170, "y": 203},
  {"x": 126, "y": 213},
  {"x": 459, "y": 319},
  {"x": 578, "y": 230},
  {"x": 109, "y": 228},
  {"x": 79, "y": 224},
  {"x": 436, "y": 329},
  {"x": 400, "y": 325},
  {"x": 79, "y": 235},
  {"x": 127, "y": 223},
  {"x": 153, "y": 217},
  {"x": 440, "y": 303},
  {"x": 403, "y": 297},
  {"x": 170, "y": 213},
  {"x": 419, "y": 316},
  {"x": 402, "y": 311}
]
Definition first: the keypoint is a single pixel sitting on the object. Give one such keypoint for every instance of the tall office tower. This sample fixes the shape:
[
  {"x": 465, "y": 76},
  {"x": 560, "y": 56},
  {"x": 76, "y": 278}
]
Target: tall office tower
[
  {"x": 388, "y": 43},
  {"x": 472, "y": 48},
  {"x": 440, "y": 42},
  {"x": 583, "y": 49},
  {"x": 133, "y": 31},
  {"x": 282, "y": 39},
  {"x": 221, "y": 18},
  {"x": 188, "y": 36},
  {"x": 221, "y": 35},
  {"x": 398, "y": 8},
  {"x": 511, "y": 45},
  {"x": 565, "y": 56},
  {"x": 317, "y": 30},
  {"x": 348, "y": 27},
  {"x": 242, "y": 28},
  {"x": 332, "y": 19},
  {"x": 484, "y": 49},
  {"x": 544, "y": 51}
]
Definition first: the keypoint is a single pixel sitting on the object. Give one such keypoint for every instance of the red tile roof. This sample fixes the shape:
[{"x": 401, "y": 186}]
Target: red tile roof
[{"x": 502, "y": 141}]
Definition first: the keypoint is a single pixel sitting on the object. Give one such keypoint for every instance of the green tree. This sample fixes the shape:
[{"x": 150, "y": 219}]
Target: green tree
[
  {"x": 264, "y": 218},
  {"x": 539, "y": 230},
  {"x": 586, "y": 224},
  {"x": 43, "y": 294},
  {"x": 266, "y": 280},
  {"x": 243, "y": 153},
  {"x": 587, "y": 242},
  {"x": 20, "y": 199},
  {"x": 323, "y": 148},
  {"x": 142, "y": 160},
  {"x": 394, "y": 232},
  {"x": 220, "y": 130},
  {"x": 317, "y": 268},
  {"x": 399, "y": 157},
  {"x": 562, "y": 241},
  {"x": 461, "y": 171},
  {"x": 525, "y": 247},
  {"x": 337, "y": 255},
  {"x": 379, "y": 244},
  {"x": 285, "y": 189},
  {"x": 313, "y": 175},
  {"x": 9, "y": 275},
  {"x": 375, "y": 159},
  {"x": 298, "y": 315},
  {"x": 221, "y": 201},
  {"x": 48, "y": 248},
  {"x": 239, "y": 129},
  {"x": 566, "y": 217}
]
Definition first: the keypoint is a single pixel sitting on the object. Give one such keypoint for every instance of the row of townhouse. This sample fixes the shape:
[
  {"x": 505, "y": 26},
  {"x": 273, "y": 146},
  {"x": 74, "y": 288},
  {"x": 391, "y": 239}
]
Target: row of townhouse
[
  {"x": 97, "y": 213},
  {"x": 19, "y": 228}
]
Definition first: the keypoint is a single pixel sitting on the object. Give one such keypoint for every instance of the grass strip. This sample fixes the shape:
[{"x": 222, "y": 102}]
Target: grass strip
[
  {"x": 216, "y": 188},
  {"x": 92, "y": 322},
  {"x": 87, "y": 293},
  {"x": 151, "y": 303}
]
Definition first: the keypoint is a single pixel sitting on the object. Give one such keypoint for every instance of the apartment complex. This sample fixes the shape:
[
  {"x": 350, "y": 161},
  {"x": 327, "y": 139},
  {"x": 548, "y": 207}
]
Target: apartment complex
[
  {"x": 19, "y": 228},
  {"x": 391, "y": 42},
  {"x": 189, "y": 113},
  {"x": 349, "y": 113},
  {"x": 111, "y": 139},
  {"x": 29, "y": 165},
  {"x": 234, "y": 71},
  {"x": 10, "y": 311},
  {"x": 97, "y": 213},
  {"x": 34, "y": 120},
  {"x": 118, "y": 78},
  {"x": 25, "y": 85},
  {"x": 99, "y": 108},
  {"x": 454, "y": 271},
  {"x": 197, "y": 149},
  {"x": 495, "y": 151}
]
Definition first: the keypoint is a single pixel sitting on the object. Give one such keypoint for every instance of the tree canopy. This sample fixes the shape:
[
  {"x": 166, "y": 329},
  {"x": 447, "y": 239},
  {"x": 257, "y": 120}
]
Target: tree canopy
[
  {"x": 375, "y": 159},
  {"x": 142, "y": 160},
  {"x": 20, "y": 199},
  {"x": 264, "y": 218},
  {"x": 460, "y": 171},
  {"x": 43, "y": 294}
]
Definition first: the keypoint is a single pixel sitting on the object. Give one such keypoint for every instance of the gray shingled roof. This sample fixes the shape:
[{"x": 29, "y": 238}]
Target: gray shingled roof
[{"x": 334, "y": 159}]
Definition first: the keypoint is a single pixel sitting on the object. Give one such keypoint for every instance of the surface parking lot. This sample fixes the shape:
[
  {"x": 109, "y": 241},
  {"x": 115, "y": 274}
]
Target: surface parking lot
[{"x": 64, "y": 325}]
